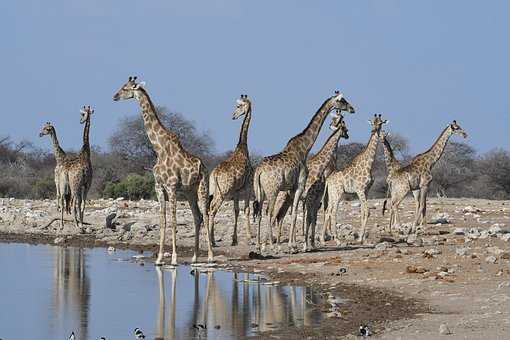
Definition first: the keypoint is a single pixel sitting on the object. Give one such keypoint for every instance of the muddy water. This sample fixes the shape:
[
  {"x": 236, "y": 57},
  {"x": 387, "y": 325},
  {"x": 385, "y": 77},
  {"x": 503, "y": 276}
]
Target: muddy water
[{"x": 47, "y": 292}]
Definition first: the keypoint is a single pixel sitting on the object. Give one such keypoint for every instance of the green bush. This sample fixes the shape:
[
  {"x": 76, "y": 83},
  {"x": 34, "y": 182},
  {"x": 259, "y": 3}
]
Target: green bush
[{"x": 132, "y": 187}]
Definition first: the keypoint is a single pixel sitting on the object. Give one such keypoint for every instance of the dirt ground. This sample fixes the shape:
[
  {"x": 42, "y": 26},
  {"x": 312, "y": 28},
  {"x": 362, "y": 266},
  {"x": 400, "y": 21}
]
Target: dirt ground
[{"x": 451, "y": 281}]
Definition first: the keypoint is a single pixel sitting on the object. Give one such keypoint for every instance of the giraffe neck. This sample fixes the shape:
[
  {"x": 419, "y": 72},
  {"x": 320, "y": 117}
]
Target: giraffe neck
[
  {"x": 85, "y": 149},
  {"x": 391, "y": 162},
  {"x": 153, "y": 126},
  {"x": 301, "y": 144},
  {"x": 242, "y": 145},
  {"x": 368, "y": 154},
  {"x": 57, "y": 150},
  {"x": 436, "y": 150},
  {"x": 325, "y": 156}
]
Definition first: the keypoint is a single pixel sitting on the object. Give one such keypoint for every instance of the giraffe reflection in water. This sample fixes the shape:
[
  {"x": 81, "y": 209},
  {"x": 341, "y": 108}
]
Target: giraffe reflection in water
[
  {"x": 251, "y": 307},
  {"x": 71, "y": 291}
]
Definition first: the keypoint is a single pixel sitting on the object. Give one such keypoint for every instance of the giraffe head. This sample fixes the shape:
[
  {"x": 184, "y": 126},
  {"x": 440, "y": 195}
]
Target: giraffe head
[
  {"x": 47, "y": 129},
  {"x": 85, "y": 114},
  {"x": 243, "y": 106},
  {"x": 338, "y": 123},
  {"x": 339, "y": 103},
  {"x": 128, "y": 90},
  {"x": 377, "y": 122},
  {"x": 456, "y": 129}
]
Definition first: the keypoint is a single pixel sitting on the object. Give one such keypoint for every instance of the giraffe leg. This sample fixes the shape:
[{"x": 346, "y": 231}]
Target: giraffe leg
[
  {"x": 272, "y": 215},
  {"x": 423, "y": 208},
  {"x": 364, "y": 215},
  {"x": 213, "y": 210},
  {"x": 259, "y": 220},
  {"x": 236, "y": 215},
  {"x": 303, "y": 174},
  {"x": 203, "y": 204},
  {"x": 396, "y": 199},
  {"x": 160, "y": 193},
  {"x": 416, "y": 196},
  {"x": 303, "y": 225},
  {"x": 247, "y": 212}
]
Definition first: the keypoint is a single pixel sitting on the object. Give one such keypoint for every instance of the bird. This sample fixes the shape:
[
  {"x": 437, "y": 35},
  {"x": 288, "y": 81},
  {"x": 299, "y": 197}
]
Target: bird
[
  {"x": 138, "y": 333},
  {"x": 102, "y": 338},
  {"x": 72, "y": 337},
  {"x": 364, "y": 331}
]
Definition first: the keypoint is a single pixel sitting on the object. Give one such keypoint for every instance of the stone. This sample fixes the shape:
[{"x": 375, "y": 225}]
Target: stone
[
  {"x": 459, "y": 231},
  {"x": 444, "y": 330},
  {"x": 383, "y": 246},
  {"x": 505, "y": 237},
  {"x": 356, "y": 204},
  {"x": 111, "y": 249},
  {"x": 474, "y": 233},
  {"x": 441, "y": 218},
  {"x": 110, "y": 220},
  {"x": 461, "y": 251},
  {"x": 494, "y": 250},
  {"x": 59, "y": 240},
  {"x": 432, "y": 252},
  {"x": 491, "y": 259}
]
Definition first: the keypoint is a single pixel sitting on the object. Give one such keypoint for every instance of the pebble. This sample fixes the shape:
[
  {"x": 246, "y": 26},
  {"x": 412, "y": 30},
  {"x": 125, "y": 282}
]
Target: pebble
[
  {"x": 459, "y": 231},
  {"x": 59, "y": 240},
  {"x": 491, "y": 259},
  {"x": 444, "y": 330},
  {"x": 461, "y": 251}
]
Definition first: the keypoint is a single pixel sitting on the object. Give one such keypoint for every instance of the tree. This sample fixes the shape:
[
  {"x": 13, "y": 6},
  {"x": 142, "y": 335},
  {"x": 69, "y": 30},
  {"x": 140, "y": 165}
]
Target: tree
[{"x": 130, "y": 141}]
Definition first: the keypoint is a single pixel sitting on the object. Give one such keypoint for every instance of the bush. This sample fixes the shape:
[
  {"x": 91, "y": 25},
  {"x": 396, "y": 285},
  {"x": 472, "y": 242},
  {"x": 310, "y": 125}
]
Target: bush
[
  {"x": 132, "y": 187},
  {"x": 44, "y": 188}
]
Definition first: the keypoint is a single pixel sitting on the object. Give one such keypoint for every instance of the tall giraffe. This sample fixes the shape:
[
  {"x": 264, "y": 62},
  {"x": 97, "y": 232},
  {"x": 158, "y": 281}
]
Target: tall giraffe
[
  {"x": 287, "y": 171},
  {"x": 176, "y": 170},
  {"x": 79, "y": 170},
  {"x": 231, "y": 179},
  {"x": 355, "y": 178},
  {"x": 60, "y": 158},
  {"x": 319, "y": 166},
  {"x": 417, "y": 175}
]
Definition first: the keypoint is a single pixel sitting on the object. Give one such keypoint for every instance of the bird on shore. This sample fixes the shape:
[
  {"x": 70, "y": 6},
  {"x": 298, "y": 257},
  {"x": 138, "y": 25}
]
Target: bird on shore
[
  {"x": 138, "y": 333},
  {"x": 72, "y": 337},
  {"x": 102, "y": 338},
  {"x": 364, "y": 331}
]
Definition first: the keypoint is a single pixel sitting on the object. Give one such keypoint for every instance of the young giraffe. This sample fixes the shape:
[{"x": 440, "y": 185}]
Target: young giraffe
[
  {"x": 78, "y": 171},
  {"x": 319, "y": 166},
  {"x": 287, "y": 171},
  {"x": 231, "y": 178},
  {"x": 175, "y": 170},
  {"x": 394, "y": 179},
  {"x": 417, "y": 175},
  {"x": 355, "y": 178},
  {"x": 61, "y": 157}
]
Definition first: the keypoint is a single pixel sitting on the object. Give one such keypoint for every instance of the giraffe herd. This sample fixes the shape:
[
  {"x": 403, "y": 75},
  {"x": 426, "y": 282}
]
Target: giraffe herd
[{"x": 283, "y": 180}]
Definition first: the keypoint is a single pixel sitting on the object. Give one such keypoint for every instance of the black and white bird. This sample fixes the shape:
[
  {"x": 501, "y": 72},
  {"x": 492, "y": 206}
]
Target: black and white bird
[
  {"x": 72, "y": 337},
  {"x": 102, "y": 338},
  {"x": 138, "y": 333},
  {"x": 364, "y": 331}
]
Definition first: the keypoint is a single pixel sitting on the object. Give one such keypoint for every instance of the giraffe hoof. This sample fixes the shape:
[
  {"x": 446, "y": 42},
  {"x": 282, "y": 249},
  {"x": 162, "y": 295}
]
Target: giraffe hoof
[{"x": 234, "y": 243}]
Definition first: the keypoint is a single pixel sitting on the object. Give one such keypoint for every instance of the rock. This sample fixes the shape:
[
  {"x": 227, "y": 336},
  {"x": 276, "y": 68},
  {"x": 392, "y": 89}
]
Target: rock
[
  {"x": 494, "y": 250},
  {"x": 496, "y": 229},
  {"x": 119, "y": 199},
  {"x": 444, "y": 330},
  {"x": 473, "y": 233},
  {"x": 416, "y": 270},
  {"x": 383, "y": 246},
  {"x": 459, "y": 231},
  {"x": 111, "y": 249},
  {"x": 505, "y": 256},
  {"x": 432, "y": 252},
  {"x": 470, "y": 209},
  {"x": 441, "y": 218},
  {"x": 59, "y": 240},
  {"x": 491, "y": 259},
  {"x": 356, "y": 204},
  {"x": 505, "y": 237},
  {"x": 484, "y": 234},
  {"x": 461, "y": 251},
  {"x": 110, "y": 220}
]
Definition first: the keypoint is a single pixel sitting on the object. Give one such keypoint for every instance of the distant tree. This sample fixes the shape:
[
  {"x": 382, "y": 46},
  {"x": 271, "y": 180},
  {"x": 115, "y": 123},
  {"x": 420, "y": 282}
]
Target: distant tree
[
  {"x": 454, "y": 170},
  {"x": 494, "y": 169},
  {"x": 130, "y": 141}
]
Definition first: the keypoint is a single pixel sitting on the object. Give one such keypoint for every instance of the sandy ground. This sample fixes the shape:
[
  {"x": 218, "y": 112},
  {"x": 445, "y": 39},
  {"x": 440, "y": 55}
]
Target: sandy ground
[{"x": 454, "y": 277}]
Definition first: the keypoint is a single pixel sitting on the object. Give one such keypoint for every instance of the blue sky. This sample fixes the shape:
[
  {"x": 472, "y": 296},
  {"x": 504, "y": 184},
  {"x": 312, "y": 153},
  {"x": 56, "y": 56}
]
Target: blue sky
[{"x": 419, "y": 63}]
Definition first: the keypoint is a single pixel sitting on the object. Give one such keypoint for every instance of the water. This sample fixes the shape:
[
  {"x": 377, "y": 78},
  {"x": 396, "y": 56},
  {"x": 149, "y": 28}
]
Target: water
[{"x": 46, "y": 292}]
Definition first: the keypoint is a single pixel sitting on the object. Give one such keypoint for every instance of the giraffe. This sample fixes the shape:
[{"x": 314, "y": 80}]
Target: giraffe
[
  {"x": 231, "y": 178},
  {"x": 286, "y": 171},
  {"x": 61, "y": 158},
  {"x": 319, "y": 166},
  {"x": 79, "y": 170},
  {"x": 355, "y": 178},
  {"x": 417, "y": 175},
  {"x": 176, "y": 170}
]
